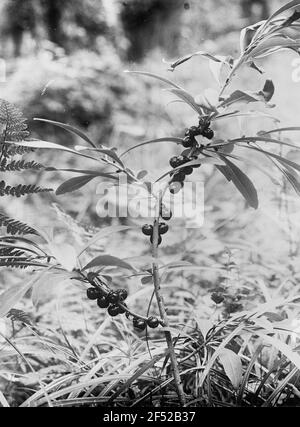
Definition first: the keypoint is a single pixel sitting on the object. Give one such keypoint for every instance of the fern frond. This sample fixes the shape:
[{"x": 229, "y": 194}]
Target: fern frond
[
  {"x": 19, "y": 165},
  {"x": 20, "y": 190},
  {"x": 15, "y": 227},
  {"x": 12, "y": 122}
]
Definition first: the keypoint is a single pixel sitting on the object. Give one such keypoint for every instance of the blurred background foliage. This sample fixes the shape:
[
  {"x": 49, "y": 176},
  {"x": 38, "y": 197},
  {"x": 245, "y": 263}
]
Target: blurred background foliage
[{"x": 65, "y": 62}]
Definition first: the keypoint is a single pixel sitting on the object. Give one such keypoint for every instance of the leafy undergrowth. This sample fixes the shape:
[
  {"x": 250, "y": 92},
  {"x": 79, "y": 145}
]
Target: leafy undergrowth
[
  {"x": 233, "y": 314},
  {"x": 231, "y": 291}
]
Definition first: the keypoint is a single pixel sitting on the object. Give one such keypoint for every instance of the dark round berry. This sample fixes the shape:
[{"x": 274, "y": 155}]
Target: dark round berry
[
  {"x": 123, "y": 294},
  {"x": 159, "y": 240},
  {"x": 181, "y": 160},
  {"x": 188, "y": 170},
  {"x": 194, "y": 130},
  {"x": 102, "y": 302},
  {"x": 187, "y": 142},
  {"x": 173, "y": 161},
  {"x": 166, "y": 214},
  {"x": 139, "y": 324},
  {"x": 153, "y": 322},
  {"x": 113, "y": 310},
  {"x": 147, "y": 229},
  {"x": 113, "y": 297},
  {"x": 163, "y": 228},
  {"x": 217, "y": 298},
  {"x": 208, "y": 133},
  {"x": 175, "y": 187},
  {"x": 178, "y": 176},
  {"x": 92, "y": 293},
  {"x": 122, "y": 309}
]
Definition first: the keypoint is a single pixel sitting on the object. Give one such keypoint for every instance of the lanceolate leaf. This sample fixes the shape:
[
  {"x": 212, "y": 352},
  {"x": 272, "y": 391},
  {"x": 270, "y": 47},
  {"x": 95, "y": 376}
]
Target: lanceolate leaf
[
  {"x": 153, "y": 141},
  {"x": 292, "y": 177},
  {"x": 282, "y": 160},
  {"x": 155, "y": 76},
  {"x": 108, "y": 260},
  {"x": 291, "y": 128},
  {"x": 74, "y": 184},
  {"x": 37, "y": 143},
  {"x": 287, "y": 6},
  {"x": 240, "y": 180},
  {"x": 69, "y": 128}
]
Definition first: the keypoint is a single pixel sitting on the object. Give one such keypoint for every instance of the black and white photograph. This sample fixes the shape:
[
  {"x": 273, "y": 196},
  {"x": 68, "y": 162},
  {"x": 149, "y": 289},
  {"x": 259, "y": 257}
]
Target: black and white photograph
[{"x": 149, "y": 206}]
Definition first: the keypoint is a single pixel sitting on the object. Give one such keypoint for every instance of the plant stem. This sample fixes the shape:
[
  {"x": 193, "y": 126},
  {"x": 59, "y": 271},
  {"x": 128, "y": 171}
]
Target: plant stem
[{"x": 162, "y": 310}]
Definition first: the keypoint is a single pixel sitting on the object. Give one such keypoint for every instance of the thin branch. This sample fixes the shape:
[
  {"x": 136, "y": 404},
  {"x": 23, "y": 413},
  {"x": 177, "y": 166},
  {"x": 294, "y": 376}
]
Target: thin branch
[{"x": 161, "y": 306}]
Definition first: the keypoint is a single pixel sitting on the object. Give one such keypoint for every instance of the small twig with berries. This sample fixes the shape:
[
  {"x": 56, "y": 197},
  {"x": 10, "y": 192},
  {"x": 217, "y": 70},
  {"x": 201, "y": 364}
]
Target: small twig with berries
[{"x": 114, "y": 302}]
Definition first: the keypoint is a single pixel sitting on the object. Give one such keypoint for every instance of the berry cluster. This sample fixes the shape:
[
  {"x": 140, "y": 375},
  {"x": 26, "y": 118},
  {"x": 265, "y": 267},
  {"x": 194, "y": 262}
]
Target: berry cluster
[
  {"x": 188, "y": 142},
  {"x": 147, "y": 229},
  {"x": 114, "y": 302}
]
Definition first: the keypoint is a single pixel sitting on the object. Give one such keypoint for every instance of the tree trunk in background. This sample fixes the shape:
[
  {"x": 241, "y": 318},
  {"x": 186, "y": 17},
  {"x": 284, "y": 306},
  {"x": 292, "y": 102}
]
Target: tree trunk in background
[
  {"x": 152, "y": 24},
  {"x": 53, "y": 18}
]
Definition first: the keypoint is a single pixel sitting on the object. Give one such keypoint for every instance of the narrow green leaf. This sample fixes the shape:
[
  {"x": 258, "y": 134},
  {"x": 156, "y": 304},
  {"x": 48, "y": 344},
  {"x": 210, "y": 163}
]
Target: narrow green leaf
[
  {"x": 282, "y": 9},
  {"x": 155, "y": 76},
  {"x": 241, "y": 181},
  {"x": 185, "y": 58},
  {"x": 280, "y": 159},
  {"x": 69, "y": 128},
  {"x": 153, "y": 141},
  {"x": 74, "y": 184},
  {"x": 108, "y": 260}
]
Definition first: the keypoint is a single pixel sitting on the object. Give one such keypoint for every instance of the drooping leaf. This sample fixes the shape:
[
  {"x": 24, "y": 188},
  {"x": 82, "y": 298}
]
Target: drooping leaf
[
  {"x": 240, "y": 180},
  {"x": 108, "y": 260},
  {"x": 268, "y": 90},
  {"x": 185, "y": 58},
  {"x": 155, "y": 76},
  {"x": 256, "y": 67},
  {"x": 280, "y": 159},
  {"x": 239, "y": 96}
]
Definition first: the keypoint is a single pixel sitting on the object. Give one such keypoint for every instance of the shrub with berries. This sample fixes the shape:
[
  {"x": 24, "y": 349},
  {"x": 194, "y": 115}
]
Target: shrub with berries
[{"x": 213, "y": 353}]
